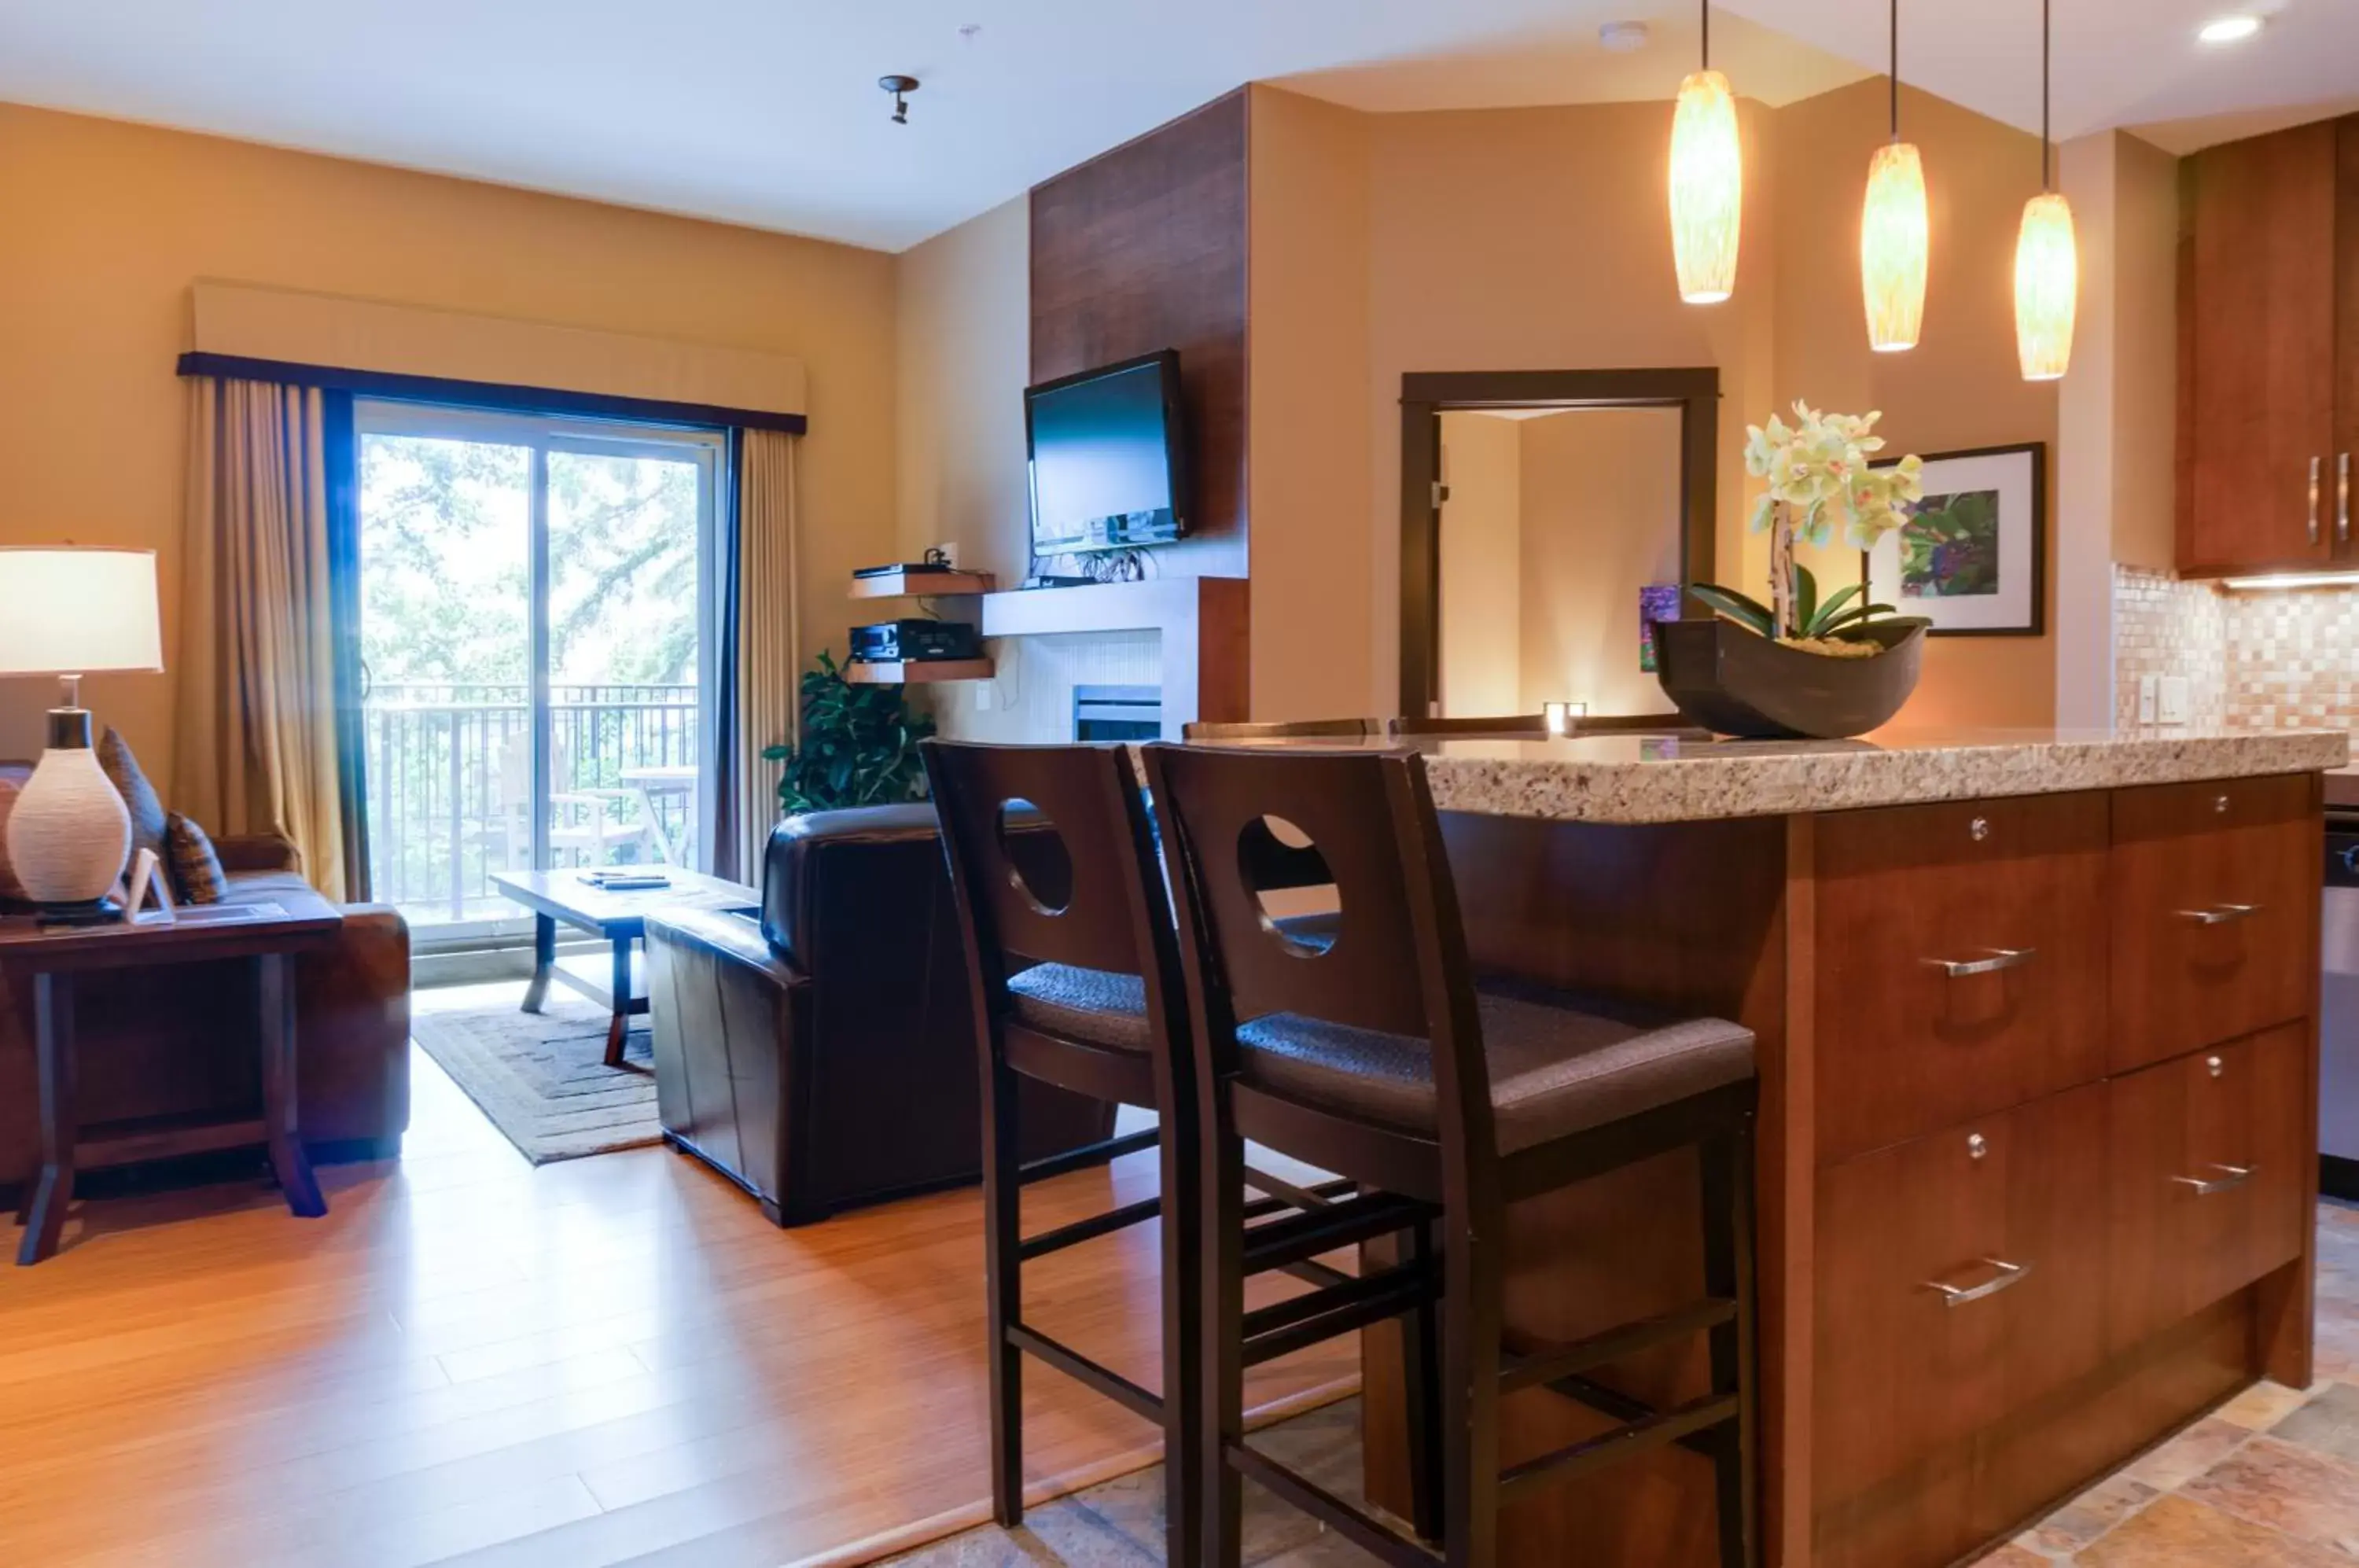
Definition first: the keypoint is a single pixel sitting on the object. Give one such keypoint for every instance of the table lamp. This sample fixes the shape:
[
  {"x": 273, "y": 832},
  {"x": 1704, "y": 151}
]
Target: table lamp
[{"x": 72, "y": 611}]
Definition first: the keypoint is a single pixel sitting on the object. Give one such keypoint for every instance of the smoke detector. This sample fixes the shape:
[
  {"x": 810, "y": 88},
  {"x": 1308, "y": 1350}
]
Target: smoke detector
[{"x": 1623, "y": 38}]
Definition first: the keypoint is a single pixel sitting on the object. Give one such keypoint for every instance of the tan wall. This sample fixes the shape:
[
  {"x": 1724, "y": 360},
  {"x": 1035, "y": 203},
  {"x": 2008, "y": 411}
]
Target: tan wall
[
  {"x": 1535, "y": 239},
  {"x": 1308, "y": 473},
  {"x": 1600, "y": 515},
  {"x": 111, "y": 222},
  {"x": 1482, "y": 559},
  {"x": 965, "y": 347},
  {"x": 1960, "y": 386},
  {"x": 2145, "y": 352}
]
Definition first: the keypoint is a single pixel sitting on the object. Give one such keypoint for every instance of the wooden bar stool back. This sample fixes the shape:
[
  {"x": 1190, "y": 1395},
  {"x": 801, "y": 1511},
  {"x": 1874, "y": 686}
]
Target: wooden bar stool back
[
  {"x": 1073, "y": 973},
  {"x": 1375, "y": 1055}
]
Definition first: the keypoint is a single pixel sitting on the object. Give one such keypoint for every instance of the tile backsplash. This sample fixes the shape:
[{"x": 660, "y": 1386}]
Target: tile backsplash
[{"x": 2254, "y": 660}]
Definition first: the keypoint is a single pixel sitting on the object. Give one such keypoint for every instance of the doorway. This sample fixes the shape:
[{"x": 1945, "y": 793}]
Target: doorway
[
  {"x": 1546, "y": 517},
  {"x": 536, "y": 630}
]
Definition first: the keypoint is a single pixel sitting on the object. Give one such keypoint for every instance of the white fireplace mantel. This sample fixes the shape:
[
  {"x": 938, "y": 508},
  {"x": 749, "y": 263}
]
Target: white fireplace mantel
[{"x": 1202, "y": 622}]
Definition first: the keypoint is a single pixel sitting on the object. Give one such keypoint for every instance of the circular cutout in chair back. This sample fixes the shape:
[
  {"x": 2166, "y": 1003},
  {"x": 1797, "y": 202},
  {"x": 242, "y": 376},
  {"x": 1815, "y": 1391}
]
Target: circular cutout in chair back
[
  {"x": 1039, "y": 867},
  {"x": 1294, "y": 893}
]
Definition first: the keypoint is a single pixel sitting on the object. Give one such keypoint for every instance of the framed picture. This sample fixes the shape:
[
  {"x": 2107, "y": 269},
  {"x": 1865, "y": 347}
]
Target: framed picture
[{"x": 1973, "y": 557}]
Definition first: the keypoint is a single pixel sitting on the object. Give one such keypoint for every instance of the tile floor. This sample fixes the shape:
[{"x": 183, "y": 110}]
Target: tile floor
[{"x": 2268, "y": 1480}]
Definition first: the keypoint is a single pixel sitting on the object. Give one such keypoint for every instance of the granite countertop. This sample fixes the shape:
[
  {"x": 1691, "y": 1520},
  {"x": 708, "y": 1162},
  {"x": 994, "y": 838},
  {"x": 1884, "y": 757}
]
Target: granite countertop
[{"x": 1656, "y": 778}]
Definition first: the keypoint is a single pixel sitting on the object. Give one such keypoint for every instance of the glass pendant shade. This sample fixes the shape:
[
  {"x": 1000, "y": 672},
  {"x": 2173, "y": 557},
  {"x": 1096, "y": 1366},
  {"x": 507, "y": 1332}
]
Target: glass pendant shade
[
  {"x": 1707, "y": 189},
  {"x": 1894, "y": 235},
  {"x": 2047, "y": 286}
]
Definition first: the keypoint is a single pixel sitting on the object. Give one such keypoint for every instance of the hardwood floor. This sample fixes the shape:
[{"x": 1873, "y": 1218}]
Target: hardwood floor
[{"x": 604, "y": 1361}]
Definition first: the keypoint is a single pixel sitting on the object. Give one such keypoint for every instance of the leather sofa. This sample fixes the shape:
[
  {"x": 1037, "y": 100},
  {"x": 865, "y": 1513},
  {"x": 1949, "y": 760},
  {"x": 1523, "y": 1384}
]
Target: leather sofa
[
  {"x": 825, "y": 1054},
  {"x": 171, "y": 1040}
]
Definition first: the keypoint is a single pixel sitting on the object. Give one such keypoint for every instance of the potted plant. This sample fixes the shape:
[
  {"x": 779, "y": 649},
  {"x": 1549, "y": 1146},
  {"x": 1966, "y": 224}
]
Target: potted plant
[
  {"x": 859, "y": 745},
  {"x": 1802, "y": 666}
]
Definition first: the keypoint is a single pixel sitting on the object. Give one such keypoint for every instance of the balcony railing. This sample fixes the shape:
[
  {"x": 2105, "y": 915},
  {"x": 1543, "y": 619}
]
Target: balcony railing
[{"x": 450, "y": 785}]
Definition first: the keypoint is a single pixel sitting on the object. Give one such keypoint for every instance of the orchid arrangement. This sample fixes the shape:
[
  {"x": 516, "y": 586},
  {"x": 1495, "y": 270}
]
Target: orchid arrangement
[
  {"x": 1819, "y": 474},
  {"x": 1819, "y": 467}
]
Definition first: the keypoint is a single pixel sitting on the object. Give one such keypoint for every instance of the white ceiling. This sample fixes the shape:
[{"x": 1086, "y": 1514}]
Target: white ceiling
[{"x": 766, "y": 111}]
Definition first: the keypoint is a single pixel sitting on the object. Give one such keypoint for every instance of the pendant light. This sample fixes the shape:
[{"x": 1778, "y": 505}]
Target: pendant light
[
  {"x": 2047, "y": 257},
  {"x": 1894, "y": 232},
  {"x": 1707, "y": 182}
]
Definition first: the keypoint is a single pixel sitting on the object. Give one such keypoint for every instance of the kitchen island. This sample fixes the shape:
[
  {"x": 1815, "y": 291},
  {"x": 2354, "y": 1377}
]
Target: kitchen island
[{"x": 2037, "y": 1016}]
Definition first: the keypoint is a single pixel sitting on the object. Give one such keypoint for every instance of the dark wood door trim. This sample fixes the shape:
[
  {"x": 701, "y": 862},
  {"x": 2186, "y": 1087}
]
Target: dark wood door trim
[{"x": 1425, "y": 396}]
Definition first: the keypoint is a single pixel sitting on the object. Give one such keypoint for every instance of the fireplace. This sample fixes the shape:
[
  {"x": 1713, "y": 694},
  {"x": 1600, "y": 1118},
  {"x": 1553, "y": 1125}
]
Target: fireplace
[{"x": 1117, "y": 712}]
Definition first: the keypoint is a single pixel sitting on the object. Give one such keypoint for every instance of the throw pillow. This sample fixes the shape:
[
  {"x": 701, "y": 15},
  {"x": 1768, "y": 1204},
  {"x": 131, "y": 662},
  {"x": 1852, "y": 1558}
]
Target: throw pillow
[
  {"x": 10, "y": 888},
  {"x": 122, "y": 770},
  {"x": 197, "y": 873}
]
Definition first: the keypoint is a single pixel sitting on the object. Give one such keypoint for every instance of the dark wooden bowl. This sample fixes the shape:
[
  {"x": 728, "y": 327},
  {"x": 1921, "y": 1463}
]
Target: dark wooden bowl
[{"x": 1734, "y": 682}]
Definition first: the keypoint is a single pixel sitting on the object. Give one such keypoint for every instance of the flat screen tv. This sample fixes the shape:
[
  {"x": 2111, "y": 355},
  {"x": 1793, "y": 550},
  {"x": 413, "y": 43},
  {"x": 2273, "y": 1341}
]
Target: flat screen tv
[{"x": 1108, "y": 458}]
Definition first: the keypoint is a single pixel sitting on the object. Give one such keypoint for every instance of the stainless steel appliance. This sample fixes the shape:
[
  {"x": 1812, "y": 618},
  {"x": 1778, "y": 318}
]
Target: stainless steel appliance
[{"x": 2338, "y": 1015}]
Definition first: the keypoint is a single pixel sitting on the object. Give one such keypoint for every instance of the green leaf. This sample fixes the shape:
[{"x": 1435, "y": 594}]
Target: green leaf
[
  {"x": 1823, "y": 615},
  {"x": 1736, "y": 606},
  {"x": 1856, "y": 618},
  {"x": 1806, "y": 597}
]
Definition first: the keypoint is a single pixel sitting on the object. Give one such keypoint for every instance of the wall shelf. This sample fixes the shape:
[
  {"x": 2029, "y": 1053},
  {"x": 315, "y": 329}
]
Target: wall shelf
[
  {"x": 916, "y": 672},
  {"x": 921, "y": 585}
]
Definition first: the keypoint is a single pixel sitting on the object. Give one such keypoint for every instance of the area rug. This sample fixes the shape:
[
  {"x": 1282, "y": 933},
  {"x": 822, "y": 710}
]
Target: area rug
[{"x": 542, "y": 1077}]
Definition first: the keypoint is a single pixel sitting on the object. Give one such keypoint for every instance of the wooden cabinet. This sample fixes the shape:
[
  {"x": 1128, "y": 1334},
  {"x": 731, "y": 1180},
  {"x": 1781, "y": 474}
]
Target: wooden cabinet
[
  {"x": 1962, "y": 1278},
  {"x": 2212, "y": 1177},
  {"x": 2260, "y": 272},
  {"x": 1957, "y": 943},
  {"x": 2213, "y": 888}
]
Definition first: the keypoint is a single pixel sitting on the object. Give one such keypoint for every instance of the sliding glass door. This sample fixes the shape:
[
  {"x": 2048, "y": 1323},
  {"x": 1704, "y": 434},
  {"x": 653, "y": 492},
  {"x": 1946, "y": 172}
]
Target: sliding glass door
[{"x": 536, "y": 630}]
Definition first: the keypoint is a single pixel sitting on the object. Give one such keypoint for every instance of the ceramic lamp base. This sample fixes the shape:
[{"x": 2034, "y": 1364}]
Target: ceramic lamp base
[
  {"x": 69, "y": 833},
  {"x": 95, "y": 912}
]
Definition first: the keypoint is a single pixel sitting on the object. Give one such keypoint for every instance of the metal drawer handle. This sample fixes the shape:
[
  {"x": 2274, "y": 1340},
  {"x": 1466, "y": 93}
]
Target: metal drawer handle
[
  {"x": 2237, "y": 1175},
  {"x": 2314, "y": 465},
  {"x": 2010, "y": 1275},
  {"x": 2220, "y": 914},
  {"x": 2343, "y": 497},
  {"x": 2000, "y": 958}
]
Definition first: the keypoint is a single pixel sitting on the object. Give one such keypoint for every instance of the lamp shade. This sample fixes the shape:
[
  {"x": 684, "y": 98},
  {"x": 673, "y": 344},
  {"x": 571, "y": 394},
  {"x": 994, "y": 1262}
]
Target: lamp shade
[
  {"x": 76, "y": 612},
  {"x": 1894, "y": 235},
  {"x": 1707, "y": 189},
  {"x": 2047, "y": 286}
]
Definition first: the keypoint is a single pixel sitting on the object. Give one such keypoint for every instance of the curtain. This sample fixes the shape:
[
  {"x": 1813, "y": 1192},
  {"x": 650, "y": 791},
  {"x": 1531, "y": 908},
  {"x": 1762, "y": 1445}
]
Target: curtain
[
  {"x": 257, "y": 741},
  {"x": 769, "y": 638}
]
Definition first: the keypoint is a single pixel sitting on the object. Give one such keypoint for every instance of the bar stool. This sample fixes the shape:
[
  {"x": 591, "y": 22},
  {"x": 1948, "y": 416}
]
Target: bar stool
[
  {"x": 1376, "y": 1057},
  {"x": 1073, "y": 969}
]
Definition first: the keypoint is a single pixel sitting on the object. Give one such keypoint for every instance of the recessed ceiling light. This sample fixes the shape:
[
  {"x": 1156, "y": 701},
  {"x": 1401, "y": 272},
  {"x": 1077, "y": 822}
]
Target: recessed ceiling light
[
  {"x": 1623, "y": 38},
  {"x": 2228, "y": 30}
]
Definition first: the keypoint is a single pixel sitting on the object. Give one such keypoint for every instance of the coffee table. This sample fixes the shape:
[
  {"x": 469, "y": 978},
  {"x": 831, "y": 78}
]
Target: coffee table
[
  {"x": 618, "y": 919},
  {"x": 54, "y": 958}
]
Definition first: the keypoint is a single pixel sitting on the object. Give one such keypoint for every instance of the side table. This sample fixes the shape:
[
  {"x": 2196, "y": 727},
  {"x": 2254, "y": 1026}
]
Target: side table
[{"x": 52, "y": 958}]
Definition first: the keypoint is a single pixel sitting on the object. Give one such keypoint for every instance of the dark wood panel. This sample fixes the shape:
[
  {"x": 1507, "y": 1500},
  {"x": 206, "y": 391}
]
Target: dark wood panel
[
  {"x": 1902, "y": 890},
  {"x": 2259, "y": 300},
  {"x": 2241, "y": 853},
  {"x": 1144, "y": 249}
]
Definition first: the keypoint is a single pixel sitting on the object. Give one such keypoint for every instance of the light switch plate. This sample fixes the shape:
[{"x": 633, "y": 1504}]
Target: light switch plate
[
  {"x": 2172, "y": 700},
  {"x": 2148, "y": 698}
]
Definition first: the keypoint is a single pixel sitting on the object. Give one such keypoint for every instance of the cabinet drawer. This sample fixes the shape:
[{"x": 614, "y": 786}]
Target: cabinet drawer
[
  {"x": 2213, "y": 1157},
  {"x": 1962, "y": 948},
  {"x": 1959, "y": 1277},
  {"x": 2214, "y": 891}
]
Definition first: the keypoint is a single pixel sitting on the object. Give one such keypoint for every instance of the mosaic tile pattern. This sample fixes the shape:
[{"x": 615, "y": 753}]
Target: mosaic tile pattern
[
  {"x": 2268, "y": 1480},
  {"x": 2254, "y": 661}
]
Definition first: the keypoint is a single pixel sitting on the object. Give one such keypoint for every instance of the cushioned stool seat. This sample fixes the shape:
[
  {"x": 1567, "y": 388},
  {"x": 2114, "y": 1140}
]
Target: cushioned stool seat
[
  {"x": 1558, "y": 1064},
  {"x": 1093, "y": 1004}
]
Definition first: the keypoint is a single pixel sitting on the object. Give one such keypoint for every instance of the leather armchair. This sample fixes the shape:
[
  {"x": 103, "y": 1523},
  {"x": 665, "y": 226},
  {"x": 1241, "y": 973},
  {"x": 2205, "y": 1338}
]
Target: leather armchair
[
  {"x": 159, "y": 1042},
  {"x": 825, "y": 1056}
]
